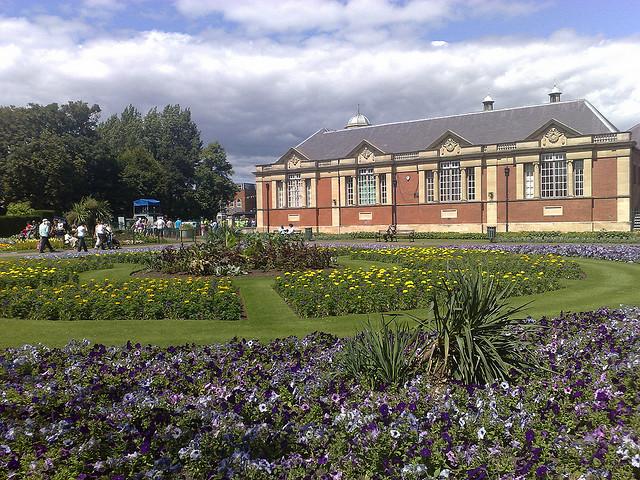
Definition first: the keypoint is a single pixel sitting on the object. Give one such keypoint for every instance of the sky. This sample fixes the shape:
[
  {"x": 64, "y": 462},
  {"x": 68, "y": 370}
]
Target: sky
[{"x": 260, "y": 76}]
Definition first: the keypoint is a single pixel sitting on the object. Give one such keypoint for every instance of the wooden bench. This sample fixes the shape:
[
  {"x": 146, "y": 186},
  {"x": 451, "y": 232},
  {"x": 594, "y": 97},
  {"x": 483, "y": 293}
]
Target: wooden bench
[{"x": 408, "y": 234}]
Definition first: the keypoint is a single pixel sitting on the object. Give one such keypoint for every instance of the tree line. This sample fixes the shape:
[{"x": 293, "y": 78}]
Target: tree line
[{"x": 53, "y": 155}]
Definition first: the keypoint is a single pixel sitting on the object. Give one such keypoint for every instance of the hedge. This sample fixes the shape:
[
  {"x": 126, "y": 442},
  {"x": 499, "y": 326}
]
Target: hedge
[
  {"x": 13, "y": 224},
  {"x": 524, "y": 237}
]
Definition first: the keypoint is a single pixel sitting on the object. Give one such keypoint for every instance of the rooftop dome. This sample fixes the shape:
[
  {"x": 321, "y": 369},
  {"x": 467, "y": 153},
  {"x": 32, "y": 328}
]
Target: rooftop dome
[
  {"x": 358, "y": 120},
  {"x": 555, "y": 89},
  {"x": 488, "y": 99}
]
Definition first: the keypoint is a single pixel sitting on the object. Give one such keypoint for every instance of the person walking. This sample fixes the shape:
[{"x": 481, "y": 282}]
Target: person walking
[
  {"x": 82, "y": 232},
  {"x": 100, "y": 236},
  {"x": 45, "y": 230}
]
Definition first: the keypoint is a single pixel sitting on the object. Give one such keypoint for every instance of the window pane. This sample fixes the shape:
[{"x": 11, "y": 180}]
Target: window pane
[
  {"x": 279, "y": 194},
  {"x": 449, "y": 181},
  {"x": 366, "y": 186},
  {"x": 430, "y": 193},
  {"x": 382, "y": 178},
  {"x": 528, "y": 180},
  {"x": 554, "y": 175},
  {"x": 294, "y": 190},
  {"x": 471, "y": 183},
  {"x": 349, "y": 189},
  {"x": 307, "y": 188},
  {"x": 578, "y": 178}
]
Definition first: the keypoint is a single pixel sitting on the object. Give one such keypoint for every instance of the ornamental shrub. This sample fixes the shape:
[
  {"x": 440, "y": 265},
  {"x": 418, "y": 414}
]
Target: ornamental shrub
[{"x": 477, "y": 337}]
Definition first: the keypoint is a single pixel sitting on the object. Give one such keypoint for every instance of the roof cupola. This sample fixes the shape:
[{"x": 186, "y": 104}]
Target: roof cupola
[
  {"x": 358, "y": 120},
  {"x": 554, "y": 94},
  {"x": 487, "y": 103}
]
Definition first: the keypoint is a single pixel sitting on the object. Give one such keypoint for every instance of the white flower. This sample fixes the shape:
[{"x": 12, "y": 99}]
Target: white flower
[
  {"x": 635, "y": 461},
  {"x": 262, "y": 407},
  {"x": 504, "y": 385},
  {"x": 481, "y": 433},
  {"x": 394, "y": 433}
]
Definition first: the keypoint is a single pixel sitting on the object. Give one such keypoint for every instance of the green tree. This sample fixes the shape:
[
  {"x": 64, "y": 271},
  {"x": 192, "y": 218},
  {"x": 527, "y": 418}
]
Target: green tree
[
  {"x": 213, "y": 184},
  {"x": 44, "y": 173},
  {"x": 52, "y": 155},
  {"x": 141, "y": 174}
]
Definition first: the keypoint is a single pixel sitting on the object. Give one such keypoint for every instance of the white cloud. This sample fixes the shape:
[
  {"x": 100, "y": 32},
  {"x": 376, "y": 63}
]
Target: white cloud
[
  {"x": 360, "y": 17},
  {"x": 260, "y": 97}
]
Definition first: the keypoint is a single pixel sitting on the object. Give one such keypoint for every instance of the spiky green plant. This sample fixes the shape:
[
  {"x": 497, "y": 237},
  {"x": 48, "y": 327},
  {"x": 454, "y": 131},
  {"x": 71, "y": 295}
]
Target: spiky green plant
[
  {"x": 477, "y": 336},
  {"x": 386, "y": 355}
]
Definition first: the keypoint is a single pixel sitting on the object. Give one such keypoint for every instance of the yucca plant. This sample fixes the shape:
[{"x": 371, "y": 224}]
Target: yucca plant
[
  {"x": 387, "y": 355},
  {"x": 476, "y": 335}
]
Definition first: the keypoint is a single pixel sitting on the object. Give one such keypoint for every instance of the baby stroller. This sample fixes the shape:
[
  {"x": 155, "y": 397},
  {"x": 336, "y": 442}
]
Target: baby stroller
[{"x": 112, "y": 242}]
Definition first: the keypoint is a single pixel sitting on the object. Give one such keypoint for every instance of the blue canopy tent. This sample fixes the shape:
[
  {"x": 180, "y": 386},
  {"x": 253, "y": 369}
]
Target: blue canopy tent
[{"x": 146, "y": 207}]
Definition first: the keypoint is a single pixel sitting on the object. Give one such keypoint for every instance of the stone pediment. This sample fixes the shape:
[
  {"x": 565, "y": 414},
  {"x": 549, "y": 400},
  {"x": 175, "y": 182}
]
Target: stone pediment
[
  {"x": 293, "y": 159},
  {"x": 553, "y": 134},
  {"x": 449, "y": 144},
  {"x": 365, "y": 152}
]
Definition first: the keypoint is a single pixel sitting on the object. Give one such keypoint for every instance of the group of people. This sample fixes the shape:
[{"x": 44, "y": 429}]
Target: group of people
[
  {"x": 287, "y": 231},
  {"x": 75, "y": 236},
  {"x": 147, "y": 226}
]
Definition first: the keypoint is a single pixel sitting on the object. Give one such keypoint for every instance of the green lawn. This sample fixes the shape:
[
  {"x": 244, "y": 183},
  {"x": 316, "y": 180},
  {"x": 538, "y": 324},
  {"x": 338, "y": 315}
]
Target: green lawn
[{"x": 606, "y": 284}]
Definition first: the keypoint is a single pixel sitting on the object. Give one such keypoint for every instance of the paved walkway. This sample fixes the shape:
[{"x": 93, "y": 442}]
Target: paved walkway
[{"x": 68, "y": 253}]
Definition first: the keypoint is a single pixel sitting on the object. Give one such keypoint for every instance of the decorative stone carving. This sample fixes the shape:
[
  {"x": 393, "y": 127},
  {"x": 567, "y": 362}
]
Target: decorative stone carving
[
  {"x": 554, "y": 138},
  {"x": 365, "y": 156},
  {"x": 450, "y": 147},
  {"x": 294, "y": 161}
]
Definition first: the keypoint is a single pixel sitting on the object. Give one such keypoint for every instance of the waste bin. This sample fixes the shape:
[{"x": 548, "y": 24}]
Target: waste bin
[
  {"x": 491, "y": 234},
  {"x": 308, "y": 233}
]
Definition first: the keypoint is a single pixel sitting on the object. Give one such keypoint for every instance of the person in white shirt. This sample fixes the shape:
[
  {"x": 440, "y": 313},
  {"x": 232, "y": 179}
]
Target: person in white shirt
[
  {"x": 282, "y": 230},
  {"x": 82, "y": 233},
  {"x": 100, "y": 236},
  {"x": 160, "y": 224},
  {"x": 290, "y": 230}
]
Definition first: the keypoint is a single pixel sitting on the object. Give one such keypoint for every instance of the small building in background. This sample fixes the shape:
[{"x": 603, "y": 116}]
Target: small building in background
[{"x": 243, "y": 205}]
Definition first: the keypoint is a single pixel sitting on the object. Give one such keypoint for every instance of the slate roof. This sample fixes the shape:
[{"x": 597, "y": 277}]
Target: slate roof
[{"x": 480, "y": 128}]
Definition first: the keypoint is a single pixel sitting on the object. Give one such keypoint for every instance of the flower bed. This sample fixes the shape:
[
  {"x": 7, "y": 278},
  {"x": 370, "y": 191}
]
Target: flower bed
[
  {"x": 31, "y": 244},
  {"x": 221, "y": 260},
  {"x": 135, "y": 299},
  {"x": 322, "y": 293},
  {"x": 318, "y": 293},
  {"x": 280, "y": 410},
  {"x": 618, "y": 253},
  {"x": 498, "y": 260},
  {"x": 25, "y": 272}
]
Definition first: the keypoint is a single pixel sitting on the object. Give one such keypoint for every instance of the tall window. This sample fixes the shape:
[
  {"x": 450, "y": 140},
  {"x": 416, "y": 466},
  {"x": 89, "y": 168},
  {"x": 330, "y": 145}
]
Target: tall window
[
  {"x": 279, "y": 194},
  {"x": 294, "y": 190},
  {"x": 382, "y": 179},
  {"x": 528, "y": 180},
  {"x": 578, "y": 178},
  {"x": 307, "y": 192},
  {"x": 554, "y": 175},
  {"x": 348, "y": 185},
  {"x": 471, "y": 183},
  {"x": 366, "y": 186},
  {"x": 449, "y": 181},
  {"x": 430, "y": 192}
]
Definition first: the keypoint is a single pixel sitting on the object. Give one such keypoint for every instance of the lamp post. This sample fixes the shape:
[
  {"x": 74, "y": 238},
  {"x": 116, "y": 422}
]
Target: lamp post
[
  {"x": 268, "y": 203},
  {"x": 506, "y": 179}
]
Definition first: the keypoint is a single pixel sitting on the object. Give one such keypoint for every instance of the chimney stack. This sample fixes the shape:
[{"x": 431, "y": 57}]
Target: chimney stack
[
  {"x": 554, "y": 94},
  {"x": 487, "y": 103}
]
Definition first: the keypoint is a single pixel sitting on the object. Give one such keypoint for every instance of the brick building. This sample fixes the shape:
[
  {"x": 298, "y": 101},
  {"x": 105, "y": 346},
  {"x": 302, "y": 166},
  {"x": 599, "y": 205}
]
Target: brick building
[
  {"x": 556, "y": 166},
  {"x": 243, "y": 204}
]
